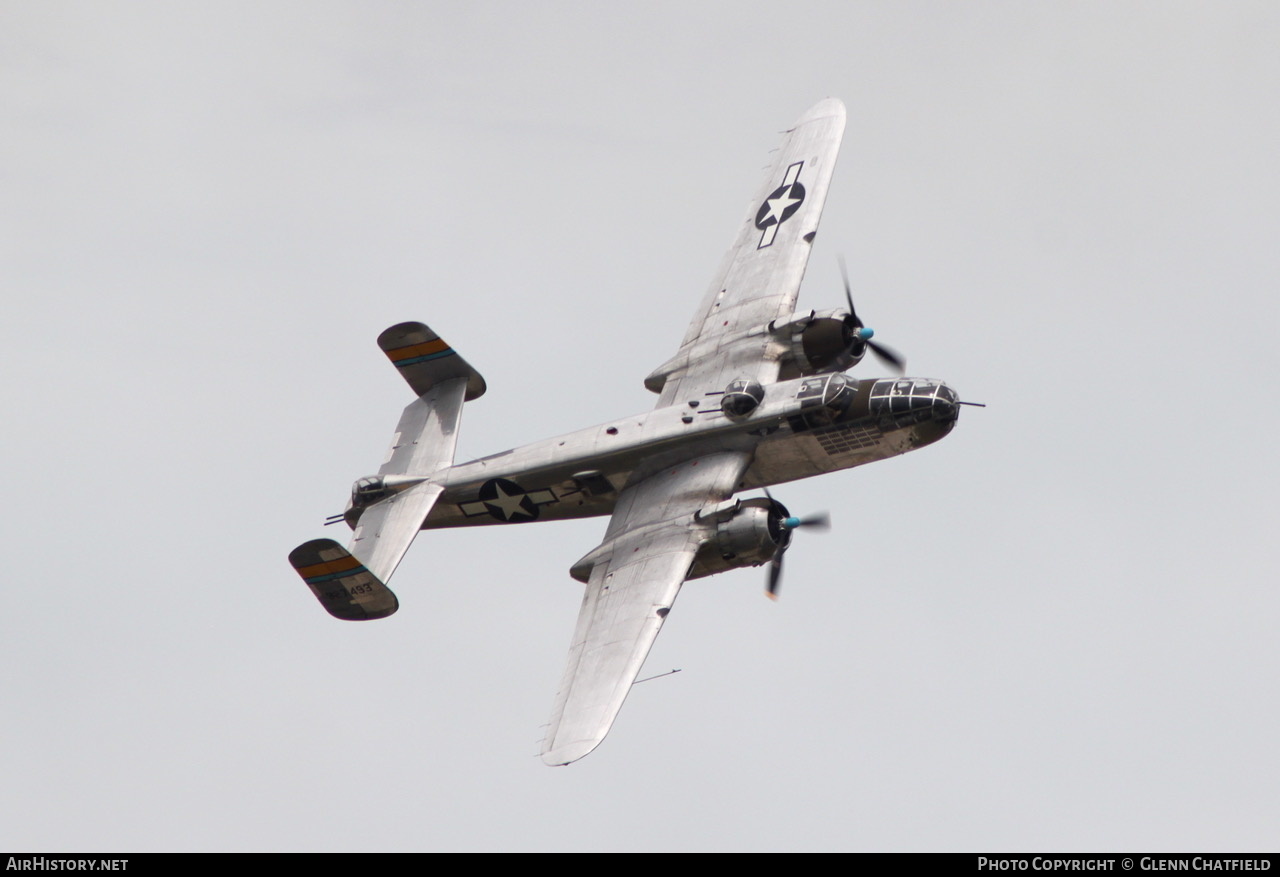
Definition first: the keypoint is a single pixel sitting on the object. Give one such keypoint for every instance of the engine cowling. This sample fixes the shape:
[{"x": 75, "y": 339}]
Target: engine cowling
[
  {"x": 751, "y": 536},
  {"x": 822, "y": 342}
]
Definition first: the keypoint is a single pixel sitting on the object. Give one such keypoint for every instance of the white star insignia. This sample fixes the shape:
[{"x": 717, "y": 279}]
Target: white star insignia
[
  {"x": 507, "y": 504},
  {"x": 779, "y": 205}
]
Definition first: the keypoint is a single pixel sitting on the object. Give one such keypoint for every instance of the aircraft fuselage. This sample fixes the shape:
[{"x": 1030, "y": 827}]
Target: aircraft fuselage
[{"x": 800, "y": 428}]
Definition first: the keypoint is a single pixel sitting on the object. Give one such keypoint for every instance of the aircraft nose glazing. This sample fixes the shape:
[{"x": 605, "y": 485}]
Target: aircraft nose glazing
[
  {"x": 946, "y": 403},
  {"x": 913, "y": 400}
]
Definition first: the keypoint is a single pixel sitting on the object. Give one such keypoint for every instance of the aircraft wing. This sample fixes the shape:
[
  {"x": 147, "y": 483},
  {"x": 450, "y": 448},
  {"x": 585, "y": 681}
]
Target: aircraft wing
[
  {"x": 650, "y": 545},
  {"x": 759, "y": 279}
]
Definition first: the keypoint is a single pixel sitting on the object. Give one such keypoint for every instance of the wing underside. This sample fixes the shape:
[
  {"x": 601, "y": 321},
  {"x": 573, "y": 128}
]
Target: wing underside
[
  {"x": 654, "y": 535},
  {"x": 650, "y": 545},
  {"x": 759, "y": 279},
  {"x": 624, "y": 607}
]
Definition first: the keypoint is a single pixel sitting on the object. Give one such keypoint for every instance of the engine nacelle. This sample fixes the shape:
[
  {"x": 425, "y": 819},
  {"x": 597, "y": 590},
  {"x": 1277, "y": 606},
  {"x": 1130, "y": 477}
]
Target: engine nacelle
[
  {"x": 821, "y": 342},
  {"x": 751, "y": 536},
  {"x": 813, "y": 343}
]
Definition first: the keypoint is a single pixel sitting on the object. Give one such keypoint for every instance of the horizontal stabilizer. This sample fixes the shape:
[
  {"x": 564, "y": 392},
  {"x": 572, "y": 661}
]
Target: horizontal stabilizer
[
  {"x": 342, "y": 584},
  {"x": 425, "y": 359},
  {"x": 386, "y": 529},
  {"x": 427, "y": 433}
]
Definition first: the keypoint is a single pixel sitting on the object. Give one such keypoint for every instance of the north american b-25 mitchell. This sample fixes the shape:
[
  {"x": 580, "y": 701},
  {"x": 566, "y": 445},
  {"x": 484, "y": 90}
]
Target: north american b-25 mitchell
[{"x": 756, "y": 395}]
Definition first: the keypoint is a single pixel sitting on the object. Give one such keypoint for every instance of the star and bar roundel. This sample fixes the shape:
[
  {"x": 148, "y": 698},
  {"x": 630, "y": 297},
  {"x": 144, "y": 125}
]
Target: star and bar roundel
[
  {"x": 507, "y": 501},
  {"x": 780, "y": 206}
]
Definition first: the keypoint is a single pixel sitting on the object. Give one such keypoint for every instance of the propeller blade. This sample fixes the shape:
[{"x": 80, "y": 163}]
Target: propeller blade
[
  {"x": 848, "y": 294},
  {"x": 816, "y": 521},
  {"x": 775, "y": 576},
  {"x": 889, "y": 357}
]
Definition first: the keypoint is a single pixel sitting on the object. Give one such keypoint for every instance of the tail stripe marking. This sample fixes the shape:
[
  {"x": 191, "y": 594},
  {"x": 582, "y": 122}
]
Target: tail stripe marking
[
  {"x": 416, "y": 353},
  {"x": 315, "y": 580},
  {"x": 424, "y": 359},
  {"x": 343, "y": 566}
]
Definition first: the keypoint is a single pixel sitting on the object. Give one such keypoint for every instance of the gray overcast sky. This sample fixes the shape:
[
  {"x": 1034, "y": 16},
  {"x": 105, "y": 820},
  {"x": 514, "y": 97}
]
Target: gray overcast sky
[{"x": 1056, "y": 629}]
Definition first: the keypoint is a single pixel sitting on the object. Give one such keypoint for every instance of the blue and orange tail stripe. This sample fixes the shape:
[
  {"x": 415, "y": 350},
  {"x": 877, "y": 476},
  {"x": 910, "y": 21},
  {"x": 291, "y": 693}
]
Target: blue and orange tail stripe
[
  {"x": 416, "y": 353},
  {"x": 331, "y": 569},
  {"x": 343, "y": 585}
]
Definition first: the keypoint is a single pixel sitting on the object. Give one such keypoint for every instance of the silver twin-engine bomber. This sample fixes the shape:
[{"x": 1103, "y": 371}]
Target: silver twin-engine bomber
[{"x": 756, "y": 395}]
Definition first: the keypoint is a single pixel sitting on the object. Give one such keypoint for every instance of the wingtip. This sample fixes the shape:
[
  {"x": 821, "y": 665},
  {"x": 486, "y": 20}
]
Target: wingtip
[
  {"x": 831, "y": 106},
  {"x": 568, "y": 753}
]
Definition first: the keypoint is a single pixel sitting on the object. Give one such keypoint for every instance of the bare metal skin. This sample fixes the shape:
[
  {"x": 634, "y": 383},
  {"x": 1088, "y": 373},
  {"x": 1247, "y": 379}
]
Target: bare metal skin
[{"x": 756, "y": 395}]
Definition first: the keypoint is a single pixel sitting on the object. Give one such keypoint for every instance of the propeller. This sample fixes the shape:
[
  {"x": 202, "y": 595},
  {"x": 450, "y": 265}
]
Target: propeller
[
  {"x": 887, "y": 355},
  {"x": 819, "y": 521}
]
